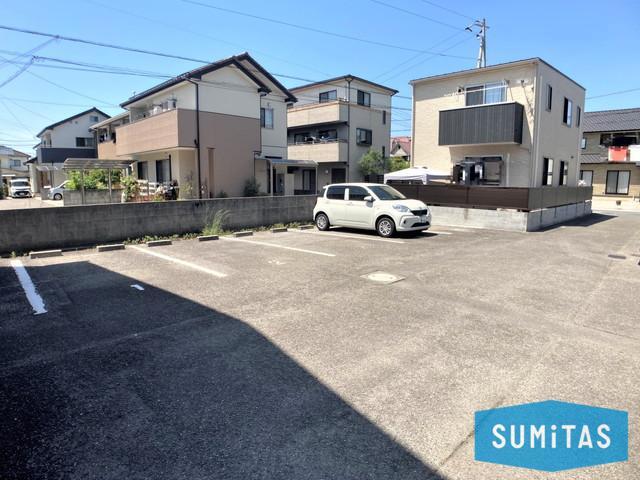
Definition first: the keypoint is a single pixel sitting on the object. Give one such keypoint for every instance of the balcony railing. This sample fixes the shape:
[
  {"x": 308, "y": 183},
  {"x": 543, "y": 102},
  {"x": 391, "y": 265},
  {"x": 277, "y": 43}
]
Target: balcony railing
[
  {"x": 313, "y": 141},
  {"x": 170, "y": 129},
  {"x": 317, "y": 114},
  {"x": 319, "y": 151},
  {"x": 496, "y": 123}
]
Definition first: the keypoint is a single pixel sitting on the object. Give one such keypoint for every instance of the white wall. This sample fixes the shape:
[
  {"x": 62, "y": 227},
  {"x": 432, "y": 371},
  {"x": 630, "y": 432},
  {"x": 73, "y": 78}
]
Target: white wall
[
  {"x": 274, "y": 140},
  {"x": 64, "y": 136}
]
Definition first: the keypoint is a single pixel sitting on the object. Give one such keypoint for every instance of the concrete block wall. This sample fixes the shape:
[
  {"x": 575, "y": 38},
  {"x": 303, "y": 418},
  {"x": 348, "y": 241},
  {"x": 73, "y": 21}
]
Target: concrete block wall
[
  {"x": 43, "y": 228},
  {"x": 92, "y": 197}
]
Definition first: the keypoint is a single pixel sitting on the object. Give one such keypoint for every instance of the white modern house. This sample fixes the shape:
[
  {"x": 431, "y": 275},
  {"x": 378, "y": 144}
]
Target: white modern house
[
  {"x": 12, "y": 164},
  {"x": 68, "y": 138}
]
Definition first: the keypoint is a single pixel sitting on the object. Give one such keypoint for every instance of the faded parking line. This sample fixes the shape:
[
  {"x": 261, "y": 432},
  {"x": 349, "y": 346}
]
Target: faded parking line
[
  {"x": 265, "y": 244},
  {"x": 29, "y": 288},
  {"x": 346, "y": 235},
  {"x": 179, "y": 262}
]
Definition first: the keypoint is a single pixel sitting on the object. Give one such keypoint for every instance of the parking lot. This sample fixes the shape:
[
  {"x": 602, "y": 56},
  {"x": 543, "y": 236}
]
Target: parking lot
[{"x": 278, "y": 356}]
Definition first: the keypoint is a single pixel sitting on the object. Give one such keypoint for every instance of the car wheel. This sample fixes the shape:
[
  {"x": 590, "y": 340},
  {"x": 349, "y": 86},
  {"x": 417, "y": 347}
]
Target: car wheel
[
  {"x": 386, "y": 227},
  {"x": 57, "y": 196},
  {"x": 322, "y": 221}
]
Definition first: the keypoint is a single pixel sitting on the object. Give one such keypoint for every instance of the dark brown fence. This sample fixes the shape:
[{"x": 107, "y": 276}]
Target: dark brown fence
[{"x": 525, "y": 199}]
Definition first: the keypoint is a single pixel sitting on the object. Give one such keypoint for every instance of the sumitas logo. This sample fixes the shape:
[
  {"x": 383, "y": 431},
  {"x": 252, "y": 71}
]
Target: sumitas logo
[{"x": 551, "y": 436}]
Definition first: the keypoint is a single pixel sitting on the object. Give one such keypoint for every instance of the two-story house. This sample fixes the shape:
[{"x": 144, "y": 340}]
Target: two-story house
[
  {"x": 210, "y": 129},
  {"x": 12, "y": 164},
  {"x": 336, "y": 122},
  {"x": 610, "y": 158},
  {"x": 68, "y": 138},
  {"x": 401, "y": 147},
  {"x": 515, "y": 124}
]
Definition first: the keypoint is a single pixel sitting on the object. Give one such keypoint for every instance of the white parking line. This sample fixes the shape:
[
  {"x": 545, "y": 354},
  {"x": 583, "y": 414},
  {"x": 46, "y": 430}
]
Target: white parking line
[
  {"x": 265, "y": 244},
  {"x": 179, "y": 262},
  {"x": 346, "y": 235},
  {"x": 29, "y": 288}
]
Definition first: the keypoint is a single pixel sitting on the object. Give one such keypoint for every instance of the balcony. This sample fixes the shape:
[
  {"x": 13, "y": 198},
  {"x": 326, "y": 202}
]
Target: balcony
[
  {"x": 170, "y": 129},
  {"x": 481, "y": 124},
  {"x": 323, "y": 151},
  {"x": 317, "y": 114}
]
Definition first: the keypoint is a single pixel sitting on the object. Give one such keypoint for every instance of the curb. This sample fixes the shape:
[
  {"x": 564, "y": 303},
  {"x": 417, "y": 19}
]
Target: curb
[
  {"x": 246, "y": 233},
  {"x": 109, "y": 248},
  {"x": 306, "y": 227},
  {"x": 45, "y": 254},
  {"x": 279, "y": 230}
]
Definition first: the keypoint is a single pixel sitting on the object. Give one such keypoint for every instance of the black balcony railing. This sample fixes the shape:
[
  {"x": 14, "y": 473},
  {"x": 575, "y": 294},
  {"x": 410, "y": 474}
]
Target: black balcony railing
[{"x": 496, "y": 123}]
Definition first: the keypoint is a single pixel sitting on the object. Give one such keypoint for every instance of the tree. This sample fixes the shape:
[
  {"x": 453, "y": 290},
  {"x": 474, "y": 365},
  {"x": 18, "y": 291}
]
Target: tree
[
  {"x": 398, "y": 163},
  {"x": 373, "y": 163},
  {"x": 93, "y": 179}
]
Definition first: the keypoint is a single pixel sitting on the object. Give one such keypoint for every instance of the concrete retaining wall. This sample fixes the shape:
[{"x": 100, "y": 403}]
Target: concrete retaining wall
[
  {"x": 92, "y": 197},
  {"x": 511, "y": 220},
  {"x": 43, "y": 228}
]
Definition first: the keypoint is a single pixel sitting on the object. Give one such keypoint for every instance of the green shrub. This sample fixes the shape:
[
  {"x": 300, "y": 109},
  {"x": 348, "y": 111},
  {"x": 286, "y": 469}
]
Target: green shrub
[
  {"x": 373, "y": 163},
  {"x": 131, "y": 188},
  {"x": 215, "y": 225},
  {"x": 93, "y": 179},
  {"x": 251, "y": 187}
]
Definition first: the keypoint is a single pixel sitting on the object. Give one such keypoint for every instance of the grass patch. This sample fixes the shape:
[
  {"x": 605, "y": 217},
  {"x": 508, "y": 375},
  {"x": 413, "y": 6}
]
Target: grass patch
[{"x": 215, "y": 225}]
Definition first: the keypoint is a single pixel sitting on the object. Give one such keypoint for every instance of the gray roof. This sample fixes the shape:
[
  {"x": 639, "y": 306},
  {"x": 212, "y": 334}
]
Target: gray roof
[{"x": 624, "y": 120}]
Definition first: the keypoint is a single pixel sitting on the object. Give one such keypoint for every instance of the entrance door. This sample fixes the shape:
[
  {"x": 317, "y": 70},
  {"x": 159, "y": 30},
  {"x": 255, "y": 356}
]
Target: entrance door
[
  {"x": 309, "y": 181},
  {"x": 338, "y": 175}
]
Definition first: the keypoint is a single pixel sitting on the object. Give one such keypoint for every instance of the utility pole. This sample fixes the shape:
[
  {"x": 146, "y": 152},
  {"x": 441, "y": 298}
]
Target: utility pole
[{"x": 482, "y": 36}]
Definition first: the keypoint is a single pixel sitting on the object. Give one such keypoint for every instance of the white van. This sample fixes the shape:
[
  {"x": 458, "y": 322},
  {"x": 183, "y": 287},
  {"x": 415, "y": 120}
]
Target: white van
[
  {"x": 20, "y": 187},
  {"x": 370, "y": 206}
]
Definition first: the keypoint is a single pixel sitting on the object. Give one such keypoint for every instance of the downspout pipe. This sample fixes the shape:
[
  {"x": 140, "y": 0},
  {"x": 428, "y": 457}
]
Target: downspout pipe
[
  {"x": 349, "y": 80},
  {"x": 197, "y": 141}
]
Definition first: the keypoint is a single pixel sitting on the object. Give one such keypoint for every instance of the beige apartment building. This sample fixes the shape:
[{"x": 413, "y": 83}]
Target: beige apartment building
[
  {"x": 515, "y": 124},
  {"x": 210, "y": 129},
  {"x": 610, "y": 158},
  {"x": 334, "y": 123}
]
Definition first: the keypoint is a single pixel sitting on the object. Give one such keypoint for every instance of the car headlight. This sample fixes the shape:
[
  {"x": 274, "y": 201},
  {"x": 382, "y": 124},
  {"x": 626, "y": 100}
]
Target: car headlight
[{"x": 401, "y": 208}]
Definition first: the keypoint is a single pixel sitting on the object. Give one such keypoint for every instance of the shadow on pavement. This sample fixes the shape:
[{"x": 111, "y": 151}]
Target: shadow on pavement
[
  {"x": 585, "y": 221},
  {"x": 117, "y": 383}
]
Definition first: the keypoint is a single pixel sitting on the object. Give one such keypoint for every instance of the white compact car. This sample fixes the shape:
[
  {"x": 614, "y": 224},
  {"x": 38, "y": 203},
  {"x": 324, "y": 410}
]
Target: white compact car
[
  {"x": 58, "y": 192},
  {"x": 370, "y": 206},
  {"x": 20, "y": 187}
]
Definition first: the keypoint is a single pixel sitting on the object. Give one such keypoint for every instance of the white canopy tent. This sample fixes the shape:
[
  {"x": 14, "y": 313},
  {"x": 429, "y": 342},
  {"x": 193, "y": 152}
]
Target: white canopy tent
[{"x": 421, "y": 174}]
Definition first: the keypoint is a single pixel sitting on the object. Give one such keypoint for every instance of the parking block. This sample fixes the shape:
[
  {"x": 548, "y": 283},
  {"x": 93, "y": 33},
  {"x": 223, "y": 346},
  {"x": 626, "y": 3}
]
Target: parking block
[
  {"x": 306, "y": 227},
  {"x": 278, "y": 229},
  {"x": 207, "y": 238},
  {"x": 45, "y": 254},
  {"x": 246, "y": 233},
  {"x": 109, "y": 248},
  {"x": 159, "y": 243}
]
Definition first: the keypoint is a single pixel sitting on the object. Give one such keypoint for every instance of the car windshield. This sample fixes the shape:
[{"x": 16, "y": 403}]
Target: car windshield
[
  {"x": 385, "y": 192},
  {"x": 19, "y": 184}
]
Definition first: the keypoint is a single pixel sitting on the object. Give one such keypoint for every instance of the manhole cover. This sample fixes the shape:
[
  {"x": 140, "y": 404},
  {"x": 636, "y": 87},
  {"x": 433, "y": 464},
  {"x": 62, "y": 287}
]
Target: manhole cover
[{"x": 383, "y": 277}]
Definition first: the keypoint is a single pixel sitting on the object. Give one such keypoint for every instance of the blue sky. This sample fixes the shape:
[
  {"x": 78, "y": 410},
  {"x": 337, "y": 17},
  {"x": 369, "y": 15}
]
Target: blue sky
[{"x": 591, "y": 42}]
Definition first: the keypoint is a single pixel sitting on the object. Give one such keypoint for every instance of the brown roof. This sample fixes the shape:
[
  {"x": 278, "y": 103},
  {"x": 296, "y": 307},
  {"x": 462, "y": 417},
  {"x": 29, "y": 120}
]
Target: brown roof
[
  {"x": 403, "y": 142},
  {"x": 622, "y": 120}
]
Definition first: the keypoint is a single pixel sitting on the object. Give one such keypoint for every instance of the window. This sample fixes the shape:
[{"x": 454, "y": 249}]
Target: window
[
  {"x": 328, "y": 134},
  {"x": 618, "y": 182},
  {"x": 583, "y": 143},
  {"x": 357, "y": 194},
  {"x": 309, "y": 180},
  {"x": 547, "y": 171},
  {"x": 564, "y": 173},
  {"x": 587, "y": 177},
  {"x": 15, "y": 162},
  {"x": 619, "y": 139},
  {"x": 567, "y": 112},
  {"x": 329, "y": 96},
  {"x": 86, "y": 142},
  {"x": 163, "y": 171},
  {"x": 549, "y": 97},
  {"x": 384, "y": 151},
  {"x": 385, "y": 192},
  {"x": 336, "y": 193},
  {"x": 363, "y": 136},
  {"x": 494, "y": 92},
  {"x": 384, "y": 117},
  {"x": 578, "y": 116},
  {"x": 143, "y": 171},
  {"x": 94, "y": 118},
  {"x": 266, "y": 118},
  {"x": 364, "y": 98}
]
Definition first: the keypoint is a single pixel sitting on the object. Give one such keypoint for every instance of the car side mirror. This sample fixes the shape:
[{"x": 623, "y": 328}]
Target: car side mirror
[{"x": 368, "y": 198}]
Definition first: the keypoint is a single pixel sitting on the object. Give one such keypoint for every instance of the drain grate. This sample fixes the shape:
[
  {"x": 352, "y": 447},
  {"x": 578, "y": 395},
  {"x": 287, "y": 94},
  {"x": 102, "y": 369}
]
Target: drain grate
[
  {"x": 383, "y": 277},
  {"x": 616, "y": 256}
]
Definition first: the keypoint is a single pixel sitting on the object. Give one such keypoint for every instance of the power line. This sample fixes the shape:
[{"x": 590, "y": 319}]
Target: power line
[
  {"x": 307, "y": 28},
  {"x": 416, "y": 14},
  {"x": 27, "y": 53},
  {"x": 201, "y": 34},
  {"x": 620, "y": 92},
  {"x": 15, "y": 75},
  {"x": 450, "y": 10},
  {"x": 26, "y": 129},
  {"x": 45, "y": 102}
]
